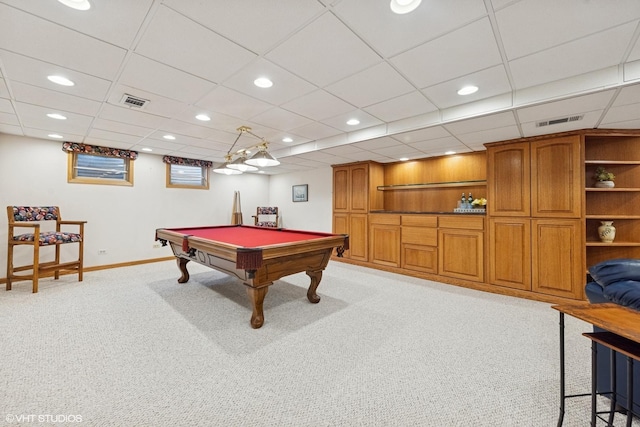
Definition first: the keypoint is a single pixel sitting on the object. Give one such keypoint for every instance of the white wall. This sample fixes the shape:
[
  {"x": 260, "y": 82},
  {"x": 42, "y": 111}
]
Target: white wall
[{"x": 123, "y": 220}]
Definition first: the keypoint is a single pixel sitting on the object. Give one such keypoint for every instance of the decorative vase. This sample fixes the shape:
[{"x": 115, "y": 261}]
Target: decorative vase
[
  {"x": 605, "y": 184},
  {"x": 606, "y": 232}
]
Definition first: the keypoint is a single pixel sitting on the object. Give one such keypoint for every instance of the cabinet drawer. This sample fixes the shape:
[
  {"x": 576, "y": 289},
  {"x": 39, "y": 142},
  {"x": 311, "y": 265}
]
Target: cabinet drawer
[
  {"x": 385, "y": 219},
  {"x": 420, "y": 258},
  {"x": 420, "y": 235},
  {"x": 463, "y": 222},
  {"x": 420, "y": 220}
]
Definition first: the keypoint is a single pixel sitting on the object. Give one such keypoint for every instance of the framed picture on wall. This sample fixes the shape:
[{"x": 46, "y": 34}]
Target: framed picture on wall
[{"x": 300, "y": 193}]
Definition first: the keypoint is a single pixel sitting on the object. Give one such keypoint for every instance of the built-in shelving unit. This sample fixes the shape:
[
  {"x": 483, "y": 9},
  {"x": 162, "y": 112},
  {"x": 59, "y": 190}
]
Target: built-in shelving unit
[
  {"x": 462, "y": 184},
  {"x": 618, "y": 154}
]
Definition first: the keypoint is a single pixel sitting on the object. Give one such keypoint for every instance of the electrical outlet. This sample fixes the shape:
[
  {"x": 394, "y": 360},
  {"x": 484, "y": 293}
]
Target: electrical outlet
[{"x": 102, "y": 251}]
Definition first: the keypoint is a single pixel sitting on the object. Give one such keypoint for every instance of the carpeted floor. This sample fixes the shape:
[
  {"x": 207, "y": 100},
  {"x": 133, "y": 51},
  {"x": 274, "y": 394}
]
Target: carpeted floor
[{"x": 132, "y": 347}]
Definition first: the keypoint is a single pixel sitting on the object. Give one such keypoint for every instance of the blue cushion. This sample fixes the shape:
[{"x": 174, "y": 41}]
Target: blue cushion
[
  {"x": 594, "y": 293},
  {"x": 625, "y": 293},
  {"x": 615, "y": 270}
]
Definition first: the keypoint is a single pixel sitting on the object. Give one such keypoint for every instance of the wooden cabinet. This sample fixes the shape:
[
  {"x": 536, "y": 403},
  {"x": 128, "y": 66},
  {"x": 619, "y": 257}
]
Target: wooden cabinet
[
  {"x": 461, "y": 247},
  {"x": 419, "y": 243},
  {"x": 556, "y": 178},
  {"x": 557, "y": 257},
  {"x": 354, "y": 195},
  {"x": 618, "y": 153},
  {"x": 510, "y": 252},
  {"x": 384, "y": 239},
  {"x": 535, "y": 204},
  {"x": 509, "y": 179}
]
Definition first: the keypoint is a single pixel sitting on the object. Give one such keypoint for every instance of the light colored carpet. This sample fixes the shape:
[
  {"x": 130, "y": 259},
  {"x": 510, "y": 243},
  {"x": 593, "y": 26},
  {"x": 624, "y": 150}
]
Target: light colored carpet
[{"x": 132, "y": 347}]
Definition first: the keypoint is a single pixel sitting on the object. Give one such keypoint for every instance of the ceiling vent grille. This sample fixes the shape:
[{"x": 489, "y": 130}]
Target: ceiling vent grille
[
  {"x": 134, "y": 101},
  {"x": 558, "y": 121}
]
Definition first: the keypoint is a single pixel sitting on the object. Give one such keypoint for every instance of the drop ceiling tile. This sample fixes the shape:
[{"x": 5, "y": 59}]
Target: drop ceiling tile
[
  {"x": 286, "y": 85},
  {"x": 4, "y": 92},
  {"x": 399, "y": 151},
  {"x": 34, "y": 116},
  {"x": 567, "y": 107},
  {"x": 435, "y": 132},
  {"x": 520, "y": 24},
  {"x": 489, "y": 122},
  {"x": 587, "y": 54},
  {"x": 390, "y": 33},
  {"x": 340, "y": 121},
  {"x": 315, "y": 131},
  {"x": 477, "y": 138},
  {"x": 279, "y": 118},
  {"x": 255, "y": 24},
  {"x": 318, "y": 105},
  {"x": 22, "y": 69},
  {"x": 131, "y": 116},
  {"x": 477, "y": 108},
  {"x": 436, "y": 145},
  {"x": 631, "y": 71},
  {"x": 121, "y": 127},
  {"x": 490, "y": 82},
  {"x": 114, "y": 21},
  {"x": 44, "y": 134},
  {"x": 622, "y": 113},
  {"x": 378, "y": 143},
  {"x": 432, "y": 63},
  {"x": 313, "y": 52},
  {"x": 233, "y": 103},
  {"x": 363, "y": 89},
  {"x": 151, "y": 76},
  {"x": 6, "y": 106},
  {"x": 9, "y": 119},
  {"x": 628, "y": 95},
  {"x": 10, "y": 129},
  {"x": 179, "y": 42},
  {"x": 157, "y": 105},
  {"x": 109, "y": 143},
  {"x": 408, "y": 105},
  {"x": 104, "y": 135},
  {"x": 56, "y": 100},
  {"x": 56, "y": 44}
]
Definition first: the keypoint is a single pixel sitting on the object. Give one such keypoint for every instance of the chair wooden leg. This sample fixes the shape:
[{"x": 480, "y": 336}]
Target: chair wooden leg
[
  {"x": 9, "y": 265},
  {"x": 56, "y": 274},
  {"x": 81, "y": 260},
  {"x": 36, "y": 267}
]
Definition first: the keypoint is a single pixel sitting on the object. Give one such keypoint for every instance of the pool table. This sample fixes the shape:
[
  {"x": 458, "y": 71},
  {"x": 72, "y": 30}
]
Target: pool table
[{"x": 256, "y": 255}]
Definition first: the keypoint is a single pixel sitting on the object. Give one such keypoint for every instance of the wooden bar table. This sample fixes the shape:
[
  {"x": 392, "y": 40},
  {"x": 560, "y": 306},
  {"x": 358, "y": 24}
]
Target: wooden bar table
[{"x": 616, "y": 319}]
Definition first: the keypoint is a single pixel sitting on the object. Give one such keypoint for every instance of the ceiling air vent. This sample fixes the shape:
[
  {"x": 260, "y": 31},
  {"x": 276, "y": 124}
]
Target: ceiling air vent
[
  {"x": 134, "y": 101},
  {"x": 558, "y": 121}
]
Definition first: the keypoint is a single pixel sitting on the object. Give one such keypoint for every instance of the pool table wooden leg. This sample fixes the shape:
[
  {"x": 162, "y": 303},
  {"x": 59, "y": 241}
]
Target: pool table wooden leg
[
  {"x": 316, "y": 276},
  {"x": 256, "y": 296},
  {"x": 182, "y": 265}
]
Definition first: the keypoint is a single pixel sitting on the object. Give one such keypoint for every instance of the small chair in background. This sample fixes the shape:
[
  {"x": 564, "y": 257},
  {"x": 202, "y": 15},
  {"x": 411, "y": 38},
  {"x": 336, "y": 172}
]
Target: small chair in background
[
  {"x": 33, "y": 217},
  {"x": 266, "y": 216}
]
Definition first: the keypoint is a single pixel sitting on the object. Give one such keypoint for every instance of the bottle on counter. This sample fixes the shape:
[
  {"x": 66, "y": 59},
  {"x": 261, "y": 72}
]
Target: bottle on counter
[
  {"x": 470, "y": 201},
  {"x": 463, "y": 202}
]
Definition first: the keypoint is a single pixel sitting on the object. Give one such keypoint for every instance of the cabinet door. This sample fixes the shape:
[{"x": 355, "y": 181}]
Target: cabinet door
[
  {"x": 359, "y": 188},
  {"x": 358, "y": 237},
  {"x": 385, "y": 244},
  {"x": 509, "y": 180},
  {"x": 556, "y": 183},
  {"x": 510, "y": 252},
  {"x": 460, "y": 254},
  {"x": 557, "y": 257},
  {"x": 341, "y": 189}
]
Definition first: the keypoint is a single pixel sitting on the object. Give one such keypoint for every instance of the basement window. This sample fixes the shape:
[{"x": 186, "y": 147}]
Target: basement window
[
  {"x": 187, "y": 176},
  {"x": 86, "y": 168}
]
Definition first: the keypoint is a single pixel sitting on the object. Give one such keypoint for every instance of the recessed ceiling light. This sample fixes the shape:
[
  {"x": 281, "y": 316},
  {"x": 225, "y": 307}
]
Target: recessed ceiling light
[
  {"x": 203, "y": 117},
  {"x": 147, "y": 149},
  {"x": 404, "y": 6},
  {"x": 468, "y": 90},
  {"x": 56, "y": 116},
  {"x": 450, "y": 152},
  {"x": 54, "y": 135},
  {"x": 353, "y": 122},
  {"x": 169, "y": 137},
  {"x": 287, "y": 139},
  {"x": 77, "y": 4},
  {"x": 403, "y": 159},
  {"x": 263, "y": 82},
  {"x": 61, "y": 80}
]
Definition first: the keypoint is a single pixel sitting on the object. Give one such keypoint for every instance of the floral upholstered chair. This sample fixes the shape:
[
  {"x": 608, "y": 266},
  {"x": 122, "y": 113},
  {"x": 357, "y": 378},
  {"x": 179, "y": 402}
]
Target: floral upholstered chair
[
  {"x": 266, "y": 216},
  {"x": 40, "y": 234}
]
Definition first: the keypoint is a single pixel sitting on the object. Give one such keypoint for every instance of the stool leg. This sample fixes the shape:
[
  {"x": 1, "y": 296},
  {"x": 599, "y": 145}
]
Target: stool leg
[
  {"x": 629, "y": 391},
  {"x": 614, "y": 391},
  {"x": 36, "y": 266},
  {"x": 594, "y": 382}
]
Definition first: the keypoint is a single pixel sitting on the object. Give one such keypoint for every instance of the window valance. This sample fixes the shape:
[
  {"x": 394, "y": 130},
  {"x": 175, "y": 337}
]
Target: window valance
[
  {"x": 95, "y": 149},
  {"x": 187, "y": 162}
]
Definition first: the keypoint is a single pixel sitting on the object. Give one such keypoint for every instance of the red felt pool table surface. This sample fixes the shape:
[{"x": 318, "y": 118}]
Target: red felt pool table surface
[{"x": 249, "y": 236}]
